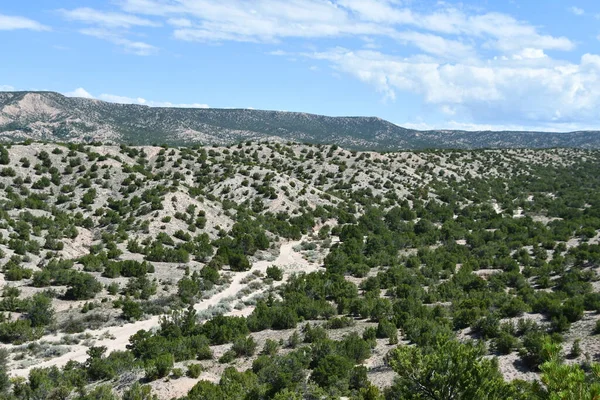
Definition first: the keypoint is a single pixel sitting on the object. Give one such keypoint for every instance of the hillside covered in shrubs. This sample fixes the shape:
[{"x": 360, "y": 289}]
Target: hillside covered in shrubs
[{"x": 287, "y": 271}]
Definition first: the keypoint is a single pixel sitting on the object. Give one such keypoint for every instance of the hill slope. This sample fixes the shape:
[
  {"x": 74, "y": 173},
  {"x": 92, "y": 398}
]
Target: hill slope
[
  {"x": 116, "y": 258},
  {"x": 54, "y": 117}
]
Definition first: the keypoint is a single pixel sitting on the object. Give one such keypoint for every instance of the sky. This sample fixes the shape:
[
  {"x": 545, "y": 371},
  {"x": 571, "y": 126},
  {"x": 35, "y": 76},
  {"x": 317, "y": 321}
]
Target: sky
[{"x": 473, "y": 65}]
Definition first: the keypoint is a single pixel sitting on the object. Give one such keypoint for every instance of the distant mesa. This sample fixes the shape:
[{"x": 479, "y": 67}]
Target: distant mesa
[{"x": 51, "y": 116}]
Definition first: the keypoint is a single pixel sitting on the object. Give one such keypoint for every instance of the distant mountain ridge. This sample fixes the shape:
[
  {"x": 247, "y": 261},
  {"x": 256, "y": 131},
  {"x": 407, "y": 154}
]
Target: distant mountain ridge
[{"x": 54, "y": 117}]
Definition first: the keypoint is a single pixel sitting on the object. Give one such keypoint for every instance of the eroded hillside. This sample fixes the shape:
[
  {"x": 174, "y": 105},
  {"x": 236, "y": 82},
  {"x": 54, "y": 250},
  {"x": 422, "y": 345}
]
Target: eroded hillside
[{"x": 284, "y": 270}]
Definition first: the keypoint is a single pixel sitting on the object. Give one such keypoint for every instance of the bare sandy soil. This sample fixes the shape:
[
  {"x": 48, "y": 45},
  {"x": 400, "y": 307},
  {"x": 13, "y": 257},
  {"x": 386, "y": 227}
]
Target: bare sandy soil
[
  {"x": 119, "y": 339},
  {"x": 288, "y": 259},
  {"x": 173, "y": 388}
]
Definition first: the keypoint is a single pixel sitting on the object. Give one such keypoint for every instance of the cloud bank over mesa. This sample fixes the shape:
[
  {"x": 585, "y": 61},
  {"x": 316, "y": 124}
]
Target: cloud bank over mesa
[{"x": 461, "y": 64}]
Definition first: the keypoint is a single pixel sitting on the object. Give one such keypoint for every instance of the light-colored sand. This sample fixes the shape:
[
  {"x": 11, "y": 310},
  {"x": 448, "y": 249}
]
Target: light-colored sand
[
  {"x": 173, "y": 388},
  {"x": 78, "y": 353},
  {"x": 288, "y": 259},
  {"x": 78, "y": 247},
  {"x": 509, "y": 367}
]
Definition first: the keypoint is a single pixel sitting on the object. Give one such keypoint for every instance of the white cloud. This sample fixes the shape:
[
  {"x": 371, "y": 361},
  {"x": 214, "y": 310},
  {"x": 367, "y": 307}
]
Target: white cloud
[
  {"x": 529, "y": 53},
  {"x": 258, "y": 21},
  {"x": 447, "y": 32},
  {"x": 112, "y": 98},
  {"x": 9, "y": 23},
  {"x": 380, "y": 11},
  {"x": 113, "y": 27},
  {"x": 437, "y": 45},
  {"x": 497, "y": 30},
  {"x": 466, "y": 126},
  {"x": 79, "y": 92},
  {"x": 135, "y": 47},
  {"x": 274, "y": 20},
  {"x": 471, "y": 126},
  {"x": 6, "y": 88},
  {"x": 180, "y": 22},
  {"x": 106, "y": 19},
  {"x": 495, "y": 91},
  {"x": 448, "y": 110},
  {"x": 577, "y": 10}
]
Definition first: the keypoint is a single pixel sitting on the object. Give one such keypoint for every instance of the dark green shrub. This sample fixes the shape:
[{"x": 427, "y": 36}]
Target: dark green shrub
[
  {"x": 139, "y": 392},
  {"x": 4, "y": 157},
  {"x": 270, "y": 348},
  {"x": 40, "y": 311},
  {"x": 386, "y": 329},
  {"x": 19, "y": 331},
  {"x": 314, "y": 334},
  {"x": 82, "y": 286},
  {"x": 177, "y": 373},
  {"x": 505, "y": 343},
  {"x": 333, "y": 371},
  {"x": 227, "y": 357},
  {"x": 537, "y": 349},
  {"x": 275, "y": 273},
  {"x": 239, "y": 262},
  {"x": 339, "y": 323},
  {"x": 159, "y": 367},
  {"x": 132, "y": 310},
  {"x": 194, "y": 370},
  {"x": 576, "y": 349},
  {"x": 245, "y": 347}
]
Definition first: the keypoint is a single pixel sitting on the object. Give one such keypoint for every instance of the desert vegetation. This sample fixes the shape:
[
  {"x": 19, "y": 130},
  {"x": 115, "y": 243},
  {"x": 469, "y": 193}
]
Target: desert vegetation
[{"x": 285, "y": 270}]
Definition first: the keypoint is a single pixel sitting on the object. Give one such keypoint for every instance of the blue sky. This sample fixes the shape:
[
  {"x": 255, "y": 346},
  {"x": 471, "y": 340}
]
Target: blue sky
[{"x": 422, "y": 64}]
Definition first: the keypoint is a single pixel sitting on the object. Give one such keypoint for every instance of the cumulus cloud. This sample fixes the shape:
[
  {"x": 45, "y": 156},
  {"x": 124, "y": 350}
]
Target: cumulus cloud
[
  {"x": 10, "y": 22},
  {"x": 529, "y": 53},
  {"x": 112, "y": 98},
  {"x": 79, "y": 92},
  {"x": 493, "y": 91}
]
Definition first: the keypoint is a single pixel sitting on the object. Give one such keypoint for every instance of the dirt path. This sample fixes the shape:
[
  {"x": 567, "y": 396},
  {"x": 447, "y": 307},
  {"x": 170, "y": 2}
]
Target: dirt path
[
  {"x": 78, "y": 353},
  {"x": 288, "y": 259}
]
